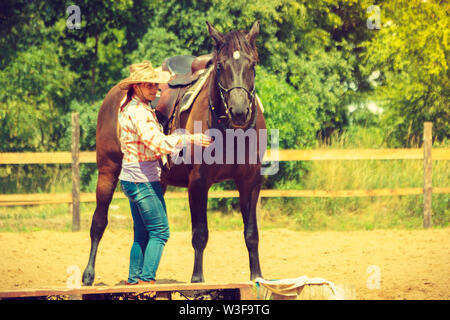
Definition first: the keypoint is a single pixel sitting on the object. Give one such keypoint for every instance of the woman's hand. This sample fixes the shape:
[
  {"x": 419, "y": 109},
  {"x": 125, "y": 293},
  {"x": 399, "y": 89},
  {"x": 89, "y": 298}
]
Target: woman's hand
[{"x": 201, "y": 139}]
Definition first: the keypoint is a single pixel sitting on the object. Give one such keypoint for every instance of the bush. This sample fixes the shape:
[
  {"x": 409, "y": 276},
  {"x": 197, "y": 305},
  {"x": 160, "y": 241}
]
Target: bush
[{"x": 156, "y": 45}]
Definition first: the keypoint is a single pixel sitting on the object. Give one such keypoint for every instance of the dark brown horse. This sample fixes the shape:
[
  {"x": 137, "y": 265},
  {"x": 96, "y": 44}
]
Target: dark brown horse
[{"x": 225, "y": 104}]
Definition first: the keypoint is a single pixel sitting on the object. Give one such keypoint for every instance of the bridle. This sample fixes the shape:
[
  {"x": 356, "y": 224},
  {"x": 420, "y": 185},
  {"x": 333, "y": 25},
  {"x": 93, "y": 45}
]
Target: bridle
[{"x": 225, "y": 91}]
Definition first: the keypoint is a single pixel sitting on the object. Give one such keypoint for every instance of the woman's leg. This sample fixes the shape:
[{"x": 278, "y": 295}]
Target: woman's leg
[
  {"x": 137, "y": 251},
  {"x": 139, "y": 245},
  {"x": 152, "y": 210}
]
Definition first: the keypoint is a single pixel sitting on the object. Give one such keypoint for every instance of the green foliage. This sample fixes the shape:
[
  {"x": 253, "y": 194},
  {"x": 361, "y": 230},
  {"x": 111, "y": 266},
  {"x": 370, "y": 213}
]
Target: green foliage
[
  {"x": 319, "y": 75},
  {"x": 94, "y": 50},
  {"x": 20, "y": 28},
  {"x": 323, "y": 49},
  {"x": 88, "y": 124},
  {"x": 156, "y": 45},
  {"x": 288, "y": 112},
  {"x": 33, "y": 96},
  {"x": 362, "y": 116},
  {"x": 411, "y": 51},
  {"x": 316, "y": 59},
  {"x": 97, "y": 50},
  {"x": 296, "y": 42}
]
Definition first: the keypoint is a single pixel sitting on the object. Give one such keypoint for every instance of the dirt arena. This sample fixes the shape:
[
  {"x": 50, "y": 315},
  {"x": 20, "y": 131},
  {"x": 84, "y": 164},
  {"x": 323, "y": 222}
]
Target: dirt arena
[{"x": 411, "y": 264}]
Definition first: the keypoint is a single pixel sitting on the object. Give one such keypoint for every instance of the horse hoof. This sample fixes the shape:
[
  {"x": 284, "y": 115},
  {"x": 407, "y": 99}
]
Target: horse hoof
[
  {"x": 88, "y": 277},
  {"x": 197, "y": 278},
  {"x": 255, "y": 276}
]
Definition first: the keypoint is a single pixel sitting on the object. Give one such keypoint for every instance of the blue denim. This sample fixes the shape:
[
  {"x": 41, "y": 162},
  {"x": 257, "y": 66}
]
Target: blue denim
[{"x": 151, "y": 228}]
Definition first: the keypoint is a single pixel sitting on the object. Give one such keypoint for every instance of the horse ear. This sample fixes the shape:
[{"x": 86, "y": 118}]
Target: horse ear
[
  {"x": 216, "y": 35},
  {"x": 254, "y": 31}
]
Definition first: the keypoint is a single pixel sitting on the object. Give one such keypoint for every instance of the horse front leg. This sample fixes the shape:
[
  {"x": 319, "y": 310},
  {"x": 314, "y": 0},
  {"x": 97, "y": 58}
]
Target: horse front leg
[
  {"x": 198, "y": 201},
  {"x": 248, "y": 194},
  {"x": 106, "y": 185}
]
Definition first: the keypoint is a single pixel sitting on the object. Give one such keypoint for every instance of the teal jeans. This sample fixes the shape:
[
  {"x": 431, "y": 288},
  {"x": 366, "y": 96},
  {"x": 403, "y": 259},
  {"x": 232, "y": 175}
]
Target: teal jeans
[{"x": 151, "y": 228}]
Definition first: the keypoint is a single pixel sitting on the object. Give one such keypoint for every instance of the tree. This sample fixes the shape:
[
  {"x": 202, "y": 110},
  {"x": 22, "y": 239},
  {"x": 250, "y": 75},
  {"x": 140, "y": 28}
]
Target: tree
[
  {"x": 20, "y": 28},
  {"x": 297, "y": 42},
  {"x": 156, "y": 45},
  {"x": 411, "y": 53},
  {"x": 290, "y": 113},
  {"x": 33, "y": 97},
  {"x": 97, "y": 50}
]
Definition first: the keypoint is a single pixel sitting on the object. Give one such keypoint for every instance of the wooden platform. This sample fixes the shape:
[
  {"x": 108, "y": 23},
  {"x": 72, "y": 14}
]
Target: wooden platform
[
  {"x": 180, "y": 291},
  {"x": 241, "y": 290}
]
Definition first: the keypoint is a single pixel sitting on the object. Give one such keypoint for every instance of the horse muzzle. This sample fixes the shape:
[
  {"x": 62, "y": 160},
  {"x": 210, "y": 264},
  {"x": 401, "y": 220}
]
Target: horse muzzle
[
  {"x": 239, "y": 109},
  {"x": 241, "y": 119}
]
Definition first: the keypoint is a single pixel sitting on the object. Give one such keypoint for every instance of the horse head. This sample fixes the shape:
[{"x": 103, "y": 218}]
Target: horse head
[{"x": 235, "y": 58}]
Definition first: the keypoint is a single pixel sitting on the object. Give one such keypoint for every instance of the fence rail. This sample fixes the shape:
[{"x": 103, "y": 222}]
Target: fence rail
[
  {"x": 427, "y": 154},
  {"x": 54, "y": 198},
  {"x": 63, "y": 157}
]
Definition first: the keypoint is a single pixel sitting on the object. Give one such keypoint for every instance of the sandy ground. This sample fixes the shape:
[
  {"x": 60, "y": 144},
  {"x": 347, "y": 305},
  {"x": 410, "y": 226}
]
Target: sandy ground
[{"x": 409, "y": 264}]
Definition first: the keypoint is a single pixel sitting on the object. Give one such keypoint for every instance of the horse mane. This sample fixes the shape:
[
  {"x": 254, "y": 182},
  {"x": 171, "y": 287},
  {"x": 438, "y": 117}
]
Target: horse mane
[{"x": 236, "y": 40}]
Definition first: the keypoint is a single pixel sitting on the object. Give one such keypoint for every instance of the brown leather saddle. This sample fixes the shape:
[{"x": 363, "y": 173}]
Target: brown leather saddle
[{"x": 185, "y": 71}]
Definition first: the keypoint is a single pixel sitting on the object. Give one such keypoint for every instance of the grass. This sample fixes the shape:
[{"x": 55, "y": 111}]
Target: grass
[
  {"x": 364, "y": 213},
  {"x": 341, "y": 214},
  {"x": 57, "y": 217}
]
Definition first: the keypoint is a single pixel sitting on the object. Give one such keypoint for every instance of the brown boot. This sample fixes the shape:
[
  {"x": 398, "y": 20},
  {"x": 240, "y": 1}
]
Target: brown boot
[
  {"x": 142, "y": 282},
  {"x": 131, "y": 284}
]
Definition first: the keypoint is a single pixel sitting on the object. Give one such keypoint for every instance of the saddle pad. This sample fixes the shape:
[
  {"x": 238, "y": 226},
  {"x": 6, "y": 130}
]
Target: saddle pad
[{"x": 193, "y": 91}]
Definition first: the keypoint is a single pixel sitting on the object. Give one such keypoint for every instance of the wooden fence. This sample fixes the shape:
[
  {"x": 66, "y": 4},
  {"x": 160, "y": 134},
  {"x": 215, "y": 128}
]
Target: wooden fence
[{"x": 427, "y": 154}]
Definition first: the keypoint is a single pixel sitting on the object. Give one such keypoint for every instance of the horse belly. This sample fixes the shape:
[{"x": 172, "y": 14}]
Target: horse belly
[{"x": 177, "y": 176}]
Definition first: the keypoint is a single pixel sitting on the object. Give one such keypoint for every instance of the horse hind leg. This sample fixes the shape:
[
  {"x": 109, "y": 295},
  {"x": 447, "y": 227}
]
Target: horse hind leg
[{"x": 106, "y": 185}]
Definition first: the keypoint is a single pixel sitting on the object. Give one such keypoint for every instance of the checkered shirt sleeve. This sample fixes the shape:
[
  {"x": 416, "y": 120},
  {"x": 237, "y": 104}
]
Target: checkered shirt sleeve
[{"x": 141, "y": 135}]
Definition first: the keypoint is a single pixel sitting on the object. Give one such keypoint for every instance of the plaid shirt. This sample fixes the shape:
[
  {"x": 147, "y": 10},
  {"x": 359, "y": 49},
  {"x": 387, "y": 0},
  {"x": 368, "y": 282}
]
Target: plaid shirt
[{"x": 141, "y": 136}]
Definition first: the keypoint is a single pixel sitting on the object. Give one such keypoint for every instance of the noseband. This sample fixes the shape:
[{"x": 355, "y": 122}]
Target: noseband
[
  {"x": 221, "y": 120},
  {"x": 223, "y": 91}
]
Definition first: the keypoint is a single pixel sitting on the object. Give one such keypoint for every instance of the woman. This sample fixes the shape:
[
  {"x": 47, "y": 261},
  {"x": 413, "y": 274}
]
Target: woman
[{"x": 143, "y": 143}]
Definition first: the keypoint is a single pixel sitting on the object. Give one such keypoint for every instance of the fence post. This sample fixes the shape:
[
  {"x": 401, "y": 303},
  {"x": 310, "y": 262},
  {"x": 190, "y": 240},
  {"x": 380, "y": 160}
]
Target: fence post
[
  {"x": 75, "y": 171},
  {"x": 427, "y": 174}
]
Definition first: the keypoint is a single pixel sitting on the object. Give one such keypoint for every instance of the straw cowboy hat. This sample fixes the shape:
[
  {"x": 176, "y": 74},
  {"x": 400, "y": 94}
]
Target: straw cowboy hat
[{"x": 144, "y": 72}]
